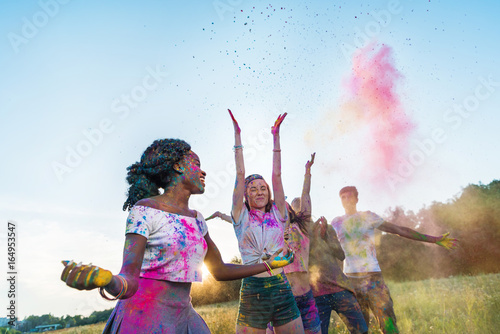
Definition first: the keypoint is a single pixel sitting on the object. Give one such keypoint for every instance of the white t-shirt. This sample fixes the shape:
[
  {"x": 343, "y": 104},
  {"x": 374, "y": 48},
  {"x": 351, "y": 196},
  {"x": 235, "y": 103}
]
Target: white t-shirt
[
  {"x": 259, "y": 233},
  {"x": 176, "y": 246},
  {"x": 356, "y": 235}
]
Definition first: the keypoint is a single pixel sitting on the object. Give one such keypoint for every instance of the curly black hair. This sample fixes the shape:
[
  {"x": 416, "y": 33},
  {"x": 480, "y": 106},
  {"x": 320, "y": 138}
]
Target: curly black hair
[{"x": 155, "y": 170}]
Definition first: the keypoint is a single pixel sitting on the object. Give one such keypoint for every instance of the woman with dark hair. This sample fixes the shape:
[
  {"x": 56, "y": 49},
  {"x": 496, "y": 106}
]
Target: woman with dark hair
[
  {"x": 165, "y": 246},
  {"x": 259, "y": 223},
  {"x": 297, "y": 236}
]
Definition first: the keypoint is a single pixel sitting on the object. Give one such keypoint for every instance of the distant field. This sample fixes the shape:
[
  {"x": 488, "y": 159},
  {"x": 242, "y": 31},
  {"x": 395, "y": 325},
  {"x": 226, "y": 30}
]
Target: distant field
[{"x": 468, "y": 305}]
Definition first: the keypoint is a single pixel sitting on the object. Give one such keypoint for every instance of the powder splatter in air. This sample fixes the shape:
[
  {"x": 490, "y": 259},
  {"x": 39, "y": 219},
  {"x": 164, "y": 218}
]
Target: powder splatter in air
[
  {"x": 373, "y": 86},
  {"x": 371, "y": 109}
]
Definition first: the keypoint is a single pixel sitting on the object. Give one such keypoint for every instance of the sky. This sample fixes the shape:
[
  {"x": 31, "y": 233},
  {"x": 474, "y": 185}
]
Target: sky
[{"x": 399, "y": 98}]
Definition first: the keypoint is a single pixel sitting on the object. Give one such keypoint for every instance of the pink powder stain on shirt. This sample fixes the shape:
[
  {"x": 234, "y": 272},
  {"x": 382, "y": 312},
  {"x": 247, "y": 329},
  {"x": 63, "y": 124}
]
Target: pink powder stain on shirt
[{"x": 373, "y": 97}]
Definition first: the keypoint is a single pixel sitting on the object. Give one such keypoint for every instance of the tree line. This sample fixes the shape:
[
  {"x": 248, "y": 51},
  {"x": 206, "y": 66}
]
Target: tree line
[
  {"x": 33, "y": 321},
  {"x": 473, "y": 217}
]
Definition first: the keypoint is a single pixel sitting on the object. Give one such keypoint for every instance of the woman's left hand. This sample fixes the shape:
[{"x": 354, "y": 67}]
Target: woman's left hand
[
  {"x": 446, "y": 242},
  {"x": 310, "y": 162},
  {"x": 237, "y": 129},
  {"x": 275, "y": 129},
  {"x": 277, "y": 261}
]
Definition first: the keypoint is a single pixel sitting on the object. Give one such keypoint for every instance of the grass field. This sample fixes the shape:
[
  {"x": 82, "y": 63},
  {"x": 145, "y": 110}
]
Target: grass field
[{"x": 464, "y": 305}]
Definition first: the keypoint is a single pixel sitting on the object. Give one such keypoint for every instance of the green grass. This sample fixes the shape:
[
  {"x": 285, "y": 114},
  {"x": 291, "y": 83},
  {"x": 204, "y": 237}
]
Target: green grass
[{"x": 469, "y": 305}]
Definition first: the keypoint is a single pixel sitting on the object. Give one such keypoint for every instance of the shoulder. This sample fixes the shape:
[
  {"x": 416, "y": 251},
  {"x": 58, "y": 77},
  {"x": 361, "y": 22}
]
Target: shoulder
[
  {"x": 148, "y": 202},
  {"x": 337, "y": 220},
  {"x": 276, "y": 212},
  {"x": 370, "y": 215},
  {"x": 199, "y": 216}
]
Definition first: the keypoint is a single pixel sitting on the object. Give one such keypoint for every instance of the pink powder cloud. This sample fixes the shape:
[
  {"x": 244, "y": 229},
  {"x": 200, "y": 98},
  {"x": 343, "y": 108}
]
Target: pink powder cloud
[
  {"x": 371, "y": 90},
  {"x": 370, "y": 120}
]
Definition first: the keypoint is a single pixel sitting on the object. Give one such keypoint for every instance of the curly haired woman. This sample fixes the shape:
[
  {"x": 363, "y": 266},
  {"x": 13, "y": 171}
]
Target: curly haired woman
[{"x": 165, "y": 246}]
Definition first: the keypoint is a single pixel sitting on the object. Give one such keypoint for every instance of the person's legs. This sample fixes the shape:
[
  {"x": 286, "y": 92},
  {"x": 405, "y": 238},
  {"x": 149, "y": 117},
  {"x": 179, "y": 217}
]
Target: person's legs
[
  {"x": 285, "y": 313},
  {"x": 249, "y": 330},
  {"x": 255, "y": 309},
  {"x": 309, "y": 313},
  {"x": 347, "y": 307},
  {"x": 361, "y": 285},
  {"x": 324, "y": 305},
  {"x": 381, "y": 305},
  {"x": 293, "y": 327},
  {"x": 264, "y": 300}
]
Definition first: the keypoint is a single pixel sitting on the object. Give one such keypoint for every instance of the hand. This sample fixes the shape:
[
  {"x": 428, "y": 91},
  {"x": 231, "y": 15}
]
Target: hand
[
  {"x": 235, "y": 123},
  {"x": 85, "y": 277},
  {"x": 275, "y": 129},
  {"x": 310, "y": 162},
  {"x": 448, "y": 243},
  {"x": 216, "y": 214},
  {"x": 323, "y": 224},
  {"x": 280, "y": 261}
]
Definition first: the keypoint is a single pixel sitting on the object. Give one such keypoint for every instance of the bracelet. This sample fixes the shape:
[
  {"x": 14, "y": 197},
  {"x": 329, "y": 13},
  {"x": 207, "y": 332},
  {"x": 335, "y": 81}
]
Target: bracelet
[
  {"x": 269, "y": 270},
  {"x": 277, "y": 150},
  {"x": 122, "y": 291},
  {"x": 237, "y": 147}
]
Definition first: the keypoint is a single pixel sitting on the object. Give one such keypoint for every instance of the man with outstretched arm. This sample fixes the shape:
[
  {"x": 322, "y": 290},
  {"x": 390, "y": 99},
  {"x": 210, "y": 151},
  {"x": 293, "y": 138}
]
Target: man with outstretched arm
[{"x": 355, "y": 231}]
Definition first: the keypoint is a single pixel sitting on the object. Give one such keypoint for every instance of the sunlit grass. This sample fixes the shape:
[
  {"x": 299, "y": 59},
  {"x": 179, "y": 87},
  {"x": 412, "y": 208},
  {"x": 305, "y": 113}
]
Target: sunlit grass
[
  {"x": 88, "y": 329},
  {"x": 453, "y": 305}
]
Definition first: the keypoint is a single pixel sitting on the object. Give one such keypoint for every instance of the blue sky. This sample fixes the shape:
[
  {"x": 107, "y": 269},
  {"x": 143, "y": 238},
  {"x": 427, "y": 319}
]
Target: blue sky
[{"x": 103, "y": 80}]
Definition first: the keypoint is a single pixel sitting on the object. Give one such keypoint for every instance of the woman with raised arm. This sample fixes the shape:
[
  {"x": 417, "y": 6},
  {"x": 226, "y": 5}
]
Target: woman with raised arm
[
  {"x": 259, "y": 223},
  {"x": 166, "y": 243},
  {"x": 298, "y": 240}
]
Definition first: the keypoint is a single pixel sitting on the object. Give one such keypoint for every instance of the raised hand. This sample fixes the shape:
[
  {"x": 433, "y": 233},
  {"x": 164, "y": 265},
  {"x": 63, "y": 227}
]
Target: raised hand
[
  {"x": 323, "y": 224},
  {"x": 85, "y": 277},
  {"x": 235, "y": 123},
  {"x": 275, "y": 129},
  {"x": 310, "y": 162},
  {"x": 446, "y": 242}
]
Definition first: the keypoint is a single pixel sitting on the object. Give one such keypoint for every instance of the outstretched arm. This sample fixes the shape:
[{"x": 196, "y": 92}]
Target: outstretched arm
[
  {"x": 278, "y": 192},
  {"x": 218, "y": 214},
  {"x": 305, "y": 199},
  {"x": 443, "y": 240},
  {"x": 124, "y": 285},
  {"x": 239, "y": 186},
  {"x": 228, "y": 271}
]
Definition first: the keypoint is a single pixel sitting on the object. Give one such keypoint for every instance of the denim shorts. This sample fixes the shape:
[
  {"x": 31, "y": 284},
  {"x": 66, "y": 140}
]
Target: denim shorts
[
  {"x": 266, "y": 300},
  {"x": 309, "y": 312},
  {"x": 345, "y": 304}
]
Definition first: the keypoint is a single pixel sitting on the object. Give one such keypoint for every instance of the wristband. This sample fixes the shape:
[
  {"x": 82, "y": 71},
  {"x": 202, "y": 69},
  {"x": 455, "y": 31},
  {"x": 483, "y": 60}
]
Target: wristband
[
  {"x": 269, "y": 270},
  {"x": 123, "y": 289}
]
